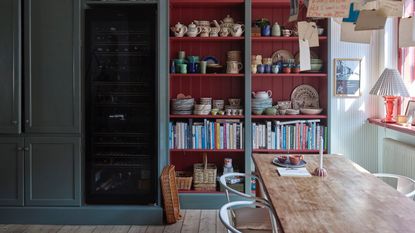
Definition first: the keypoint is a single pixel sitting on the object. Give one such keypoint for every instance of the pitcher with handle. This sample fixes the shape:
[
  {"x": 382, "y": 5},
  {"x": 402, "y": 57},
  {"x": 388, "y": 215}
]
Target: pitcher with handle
[
  {"x": 179, "y": 30},
  {"x": 262, "y": 94},
  {"x": 233, "y": 67}
]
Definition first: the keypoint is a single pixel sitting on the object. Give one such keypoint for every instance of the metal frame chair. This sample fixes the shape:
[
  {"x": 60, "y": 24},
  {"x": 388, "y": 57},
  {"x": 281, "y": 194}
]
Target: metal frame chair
[
  {"x": 225, "y": 209},
  {"x": 405, "y": 184}
]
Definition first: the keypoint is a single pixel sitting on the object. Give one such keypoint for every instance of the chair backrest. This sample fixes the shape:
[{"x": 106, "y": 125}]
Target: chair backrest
[
  {"x": 405, "y": 185},
  {"x": 228, "y": 207},
  {"x": 228, "y": 189}
]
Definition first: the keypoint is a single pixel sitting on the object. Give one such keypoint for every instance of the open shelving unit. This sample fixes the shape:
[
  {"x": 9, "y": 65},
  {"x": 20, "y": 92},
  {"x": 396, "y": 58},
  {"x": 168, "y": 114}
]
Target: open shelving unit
[{"x": 224, "y": 86}]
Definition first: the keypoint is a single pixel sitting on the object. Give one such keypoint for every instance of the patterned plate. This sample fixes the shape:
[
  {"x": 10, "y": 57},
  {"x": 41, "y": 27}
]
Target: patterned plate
[
  {"x": 288, "y": 164},
  {"x": 281, "y": 55},
  {"x": 305, "y": 96}
]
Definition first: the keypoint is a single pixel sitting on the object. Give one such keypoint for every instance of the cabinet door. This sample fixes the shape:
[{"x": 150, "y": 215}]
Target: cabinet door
[
  {"x": 10, "y": 66},
  {"x": 11, "y": 171},
  {"x": 52, "y": 92},
  {"x": 52, "y": 171}
]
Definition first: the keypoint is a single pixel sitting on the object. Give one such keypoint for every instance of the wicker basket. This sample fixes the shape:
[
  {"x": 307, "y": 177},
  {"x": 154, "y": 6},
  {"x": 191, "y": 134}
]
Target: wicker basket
[
  {"x": 204, "y": 175},
  {"x": 170, "y": 194},
  {"x": 184, "y": 180}
]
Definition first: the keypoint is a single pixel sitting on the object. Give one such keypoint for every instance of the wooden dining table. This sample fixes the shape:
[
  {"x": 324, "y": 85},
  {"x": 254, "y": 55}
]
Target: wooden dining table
[{"x": 348, "y": 199}]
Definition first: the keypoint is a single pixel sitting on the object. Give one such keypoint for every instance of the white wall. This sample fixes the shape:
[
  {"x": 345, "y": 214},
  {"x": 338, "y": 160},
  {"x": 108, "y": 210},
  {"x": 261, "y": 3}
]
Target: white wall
[{"x": 351, "y": 135}]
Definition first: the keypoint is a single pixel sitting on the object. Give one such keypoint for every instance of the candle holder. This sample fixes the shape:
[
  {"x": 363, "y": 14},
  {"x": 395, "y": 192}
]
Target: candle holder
[{"x": 320, "y": 172}]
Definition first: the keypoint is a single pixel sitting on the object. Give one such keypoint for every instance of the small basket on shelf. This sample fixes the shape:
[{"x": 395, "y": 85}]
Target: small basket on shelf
[
  {"x": 184, "y": 180},
  {"x": 204, "y": 175}
]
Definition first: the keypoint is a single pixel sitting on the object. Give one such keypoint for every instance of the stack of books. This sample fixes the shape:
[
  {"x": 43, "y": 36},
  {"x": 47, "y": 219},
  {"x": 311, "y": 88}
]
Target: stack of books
[
  {"x": 292, "y": 135},
  {"x": 218, "y": 134}
]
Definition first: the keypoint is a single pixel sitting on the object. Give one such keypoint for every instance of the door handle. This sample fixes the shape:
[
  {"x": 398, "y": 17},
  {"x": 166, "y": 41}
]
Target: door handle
[
  {"x": 26, "y": 149},
  {"x": 19, "y": 148},
  {"x": 27, "y": 121},
  {"x": 14, "y": 122}
]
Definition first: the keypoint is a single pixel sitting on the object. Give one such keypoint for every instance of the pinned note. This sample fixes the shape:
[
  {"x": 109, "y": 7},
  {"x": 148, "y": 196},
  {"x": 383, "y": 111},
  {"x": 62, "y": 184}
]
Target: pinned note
[
  {"x": 308, "y": 31},
  {"x": 406, "y": 32},
  {"x": 348, "y": 34},
  {"x": 328, "y": 8},
  {"x": 305, "y": 62},
  {"x": 294, "y": 9},
  {"x": 370, "y": 20},
  {"x": 391, "y": 8}
]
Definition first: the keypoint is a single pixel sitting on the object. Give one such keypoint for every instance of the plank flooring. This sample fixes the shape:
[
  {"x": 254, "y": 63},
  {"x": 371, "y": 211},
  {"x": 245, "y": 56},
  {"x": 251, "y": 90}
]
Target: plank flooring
[{"x": 193, "y": 221}]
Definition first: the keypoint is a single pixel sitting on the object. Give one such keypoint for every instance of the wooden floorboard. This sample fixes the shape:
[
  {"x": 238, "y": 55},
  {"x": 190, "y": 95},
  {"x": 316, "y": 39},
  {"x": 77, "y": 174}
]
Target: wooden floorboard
[
  {"x": 176, "y": 227},
  {"x": 192, "y": 221},
  {"x": 207, "y": 221}
]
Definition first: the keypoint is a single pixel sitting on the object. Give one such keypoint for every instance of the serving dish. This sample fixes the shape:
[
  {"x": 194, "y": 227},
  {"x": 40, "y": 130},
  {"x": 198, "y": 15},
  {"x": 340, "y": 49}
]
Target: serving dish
[
  {"x": 311, "y": 111},
  {"x": 305, "y": 96},
  {"x": 288, "y": 164}
]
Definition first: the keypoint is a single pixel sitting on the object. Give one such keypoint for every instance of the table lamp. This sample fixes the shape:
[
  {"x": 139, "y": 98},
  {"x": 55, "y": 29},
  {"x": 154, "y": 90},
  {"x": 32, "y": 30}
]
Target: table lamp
[{"x": 389, "y": 85}]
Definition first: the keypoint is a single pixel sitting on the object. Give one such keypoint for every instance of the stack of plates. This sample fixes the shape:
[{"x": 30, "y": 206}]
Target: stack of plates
[
  {"x": 259, "y": 105},
  {"x": 182, "y": 106}
]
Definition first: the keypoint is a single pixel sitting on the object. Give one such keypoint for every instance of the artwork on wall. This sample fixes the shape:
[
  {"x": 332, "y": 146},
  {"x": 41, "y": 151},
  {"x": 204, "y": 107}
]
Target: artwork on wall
[
  {"x": 410, "y": 108},
  {"x": 347, "y": 77}
]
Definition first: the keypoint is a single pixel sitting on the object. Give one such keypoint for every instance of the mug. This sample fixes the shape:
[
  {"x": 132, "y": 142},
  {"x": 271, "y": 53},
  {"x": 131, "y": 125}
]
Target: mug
[
  {"x": 266, "y": 30},
  {"x": 182, "y": 68},
  {"x": 260, "y": 68},
  {"x": 286, "y": 32},
  {"x": 192, "y": 67},
  {"x": 193, "y": 59},
  {"x": 254, "y": 69},
  {"x": 275, "y": 69},
  {"x": 233, "y": 67},
  {"x": 267, "y": 68},
  {"x": 203, "y": 65}
]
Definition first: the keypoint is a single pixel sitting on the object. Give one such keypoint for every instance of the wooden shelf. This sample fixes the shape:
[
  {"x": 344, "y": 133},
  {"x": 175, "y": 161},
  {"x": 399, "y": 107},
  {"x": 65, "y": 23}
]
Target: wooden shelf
[
  {"x": 206, "y": 39},
  {"x": 205, "y": 117},
  {"x": 403, "y": 129},
  {"x": 280, "y": 38},
  {"x": 208, "y": 75},
  {"x": 206, "y": 3},
  {"x": 286, "y": 151},
  {"x": 276, "y": 117},
  {"x": 207, "y": 150},
  {"x": 115, "y": 2},
  {"x": 289, "y": 75}
]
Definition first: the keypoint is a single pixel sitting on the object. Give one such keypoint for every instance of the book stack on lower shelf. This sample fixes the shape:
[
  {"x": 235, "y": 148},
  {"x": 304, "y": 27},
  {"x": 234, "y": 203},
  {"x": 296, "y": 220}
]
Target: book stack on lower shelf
[
  {"x": 294, "y": 135},
  {"x": 219, "y": 134}
]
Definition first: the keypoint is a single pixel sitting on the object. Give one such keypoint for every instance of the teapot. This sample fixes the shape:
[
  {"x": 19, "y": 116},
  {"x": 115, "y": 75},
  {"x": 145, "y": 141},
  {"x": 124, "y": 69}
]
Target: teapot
[
  {"x": 179, "y": 30},
  {"x": 224, "y": 32},
  {"x": 193, "y": 30},
  {"x": 215, "y": 30},
  {"x": 262, "y": 94},
  {"x": 227, "y": 22},
  {"x": 237, "y": 29}
]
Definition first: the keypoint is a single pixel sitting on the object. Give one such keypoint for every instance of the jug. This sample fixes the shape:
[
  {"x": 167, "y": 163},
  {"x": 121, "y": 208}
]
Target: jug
[{"x": 262, "y": 94}]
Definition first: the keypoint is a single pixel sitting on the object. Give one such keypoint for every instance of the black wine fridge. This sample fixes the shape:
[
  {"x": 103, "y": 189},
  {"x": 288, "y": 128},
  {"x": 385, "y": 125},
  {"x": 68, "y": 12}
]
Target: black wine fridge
[{"x": 120, "y": 79}]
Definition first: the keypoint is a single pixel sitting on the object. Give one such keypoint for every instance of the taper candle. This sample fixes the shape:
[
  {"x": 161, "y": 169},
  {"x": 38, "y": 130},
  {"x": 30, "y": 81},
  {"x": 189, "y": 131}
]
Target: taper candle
[{"x": 321, "y": 151}]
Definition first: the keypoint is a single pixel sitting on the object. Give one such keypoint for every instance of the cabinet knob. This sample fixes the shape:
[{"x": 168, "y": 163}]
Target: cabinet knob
[
  {"x": 19, "y": 148},
  {"x": 14, "y": 122},
  {"x": 26, "y": 149},
  {"x": 27, "y": 121}
]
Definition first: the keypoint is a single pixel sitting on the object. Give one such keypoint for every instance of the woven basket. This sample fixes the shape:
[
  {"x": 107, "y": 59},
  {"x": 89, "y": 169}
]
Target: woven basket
[
  {"x": 204, "y": 175},
  {"x": 184, "y": 180},
  {"x": 170, "y": 194}
]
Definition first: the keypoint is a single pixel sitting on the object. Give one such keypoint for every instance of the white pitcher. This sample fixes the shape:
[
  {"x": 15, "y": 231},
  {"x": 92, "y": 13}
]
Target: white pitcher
[{"x": 262, "y": 94}]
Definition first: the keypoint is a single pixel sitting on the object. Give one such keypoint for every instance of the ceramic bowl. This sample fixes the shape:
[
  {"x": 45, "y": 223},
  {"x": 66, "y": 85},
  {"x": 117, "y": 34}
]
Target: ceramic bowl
[
  {"x": 292, "y": 111},
  {"x": 257, "y": 111},
  {"x": 270, "y": 111},
  {"x": 316, "y": 67},
  {"x": 311, "y": 111},
  {"x": 296, "y": 159},
  {"x": 282, "y": 158},
  {"x": 234, "y": 102},
  {"x": 284, "y": 104},
  {"x": 203, "y": 107}
]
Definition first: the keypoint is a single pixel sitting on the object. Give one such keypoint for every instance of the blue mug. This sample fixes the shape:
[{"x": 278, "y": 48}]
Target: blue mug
[
  {"x": 275, "y": 69},
  {"x": 266, "y": 30},
  {"x": 267, "y": 68},
  {"x": 192, "y": 67},
  {"x": 260, "y": 69}
]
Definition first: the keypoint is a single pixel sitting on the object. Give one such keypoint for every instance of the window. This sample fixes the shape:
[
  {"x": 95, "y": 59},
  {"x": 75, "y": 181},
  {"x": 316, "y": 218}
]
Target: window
[{"x": 406, "y": 61}]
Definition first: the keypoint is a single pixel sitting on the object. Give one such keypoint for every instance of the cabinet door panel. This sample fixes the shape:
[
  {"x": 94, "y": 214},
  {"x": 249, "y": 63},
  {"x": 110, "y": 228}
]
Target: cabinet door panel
[
  {"x": 10, "y": 66},
  {"x": 52, "y": 66},
  {"x": 52, "y": 171},
  {"x": 11, "y": 171}
]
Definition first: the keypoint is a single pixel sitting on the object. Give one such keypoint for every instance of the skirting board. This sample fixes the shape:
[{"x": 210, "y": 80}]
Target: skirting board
[{"x": 85, "y": 215}]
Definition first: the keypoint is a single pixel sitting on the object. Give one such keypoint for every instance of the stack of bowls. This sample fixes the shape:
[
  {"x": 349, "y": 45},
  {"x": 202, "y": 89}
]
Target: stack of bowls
[
  {"x": 316, "y": 64},
  {"x": 234, "y": 55},
  {"x": 204, "y": 107},
  {"x": 182, "y": 106},
  {"x": 260, "y": 104}
]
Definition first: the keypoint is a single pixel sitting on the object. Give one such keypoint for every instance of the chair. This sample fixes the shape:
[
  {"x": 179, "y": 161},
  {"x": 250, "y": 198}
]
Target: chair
[
  {"x": 247, "y": 218},
  {"x": 405, "y": 185},
  {"x": 234, "y": 206}
]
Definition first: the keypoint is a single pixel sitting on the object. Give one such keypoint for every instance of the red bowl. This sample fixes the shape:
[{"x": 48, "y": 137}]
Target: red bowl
[
  {"x": 296, "y": 159},
  {"x": 282, "y": 158}
]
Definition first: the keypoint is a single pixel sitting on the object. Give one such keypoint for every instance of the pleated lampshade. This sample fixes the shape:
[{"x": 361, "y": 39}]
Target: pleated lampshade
[{"x": 390, "y": 83}]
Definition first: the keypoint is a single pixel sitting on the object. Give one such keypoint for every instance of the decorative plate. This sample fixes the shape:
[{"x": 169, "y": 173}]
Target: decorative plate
[
  {"x": 305, "y": 96},
  {"x": 288, "y": 164},
  {"x": 211, "y": 60},
  {"x": 281, "y": 55}
]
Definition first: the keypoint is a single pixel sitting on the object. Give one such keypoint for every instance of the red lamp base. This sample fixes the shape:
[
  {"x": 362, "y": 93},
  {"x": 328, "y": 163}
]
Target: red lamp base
[{"x": 389, "y": 103}]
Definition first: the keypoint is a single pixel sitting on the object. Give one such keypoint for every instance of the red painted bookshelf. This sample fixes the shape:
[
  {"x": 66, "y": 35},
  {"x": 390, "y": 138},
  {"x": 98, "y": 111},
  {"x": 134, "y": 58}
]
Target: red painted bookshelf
[
  {"x": 205, "y": 117},
  {"x": 289, "y": 117},
  {"x": 280, "y": 38}
]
